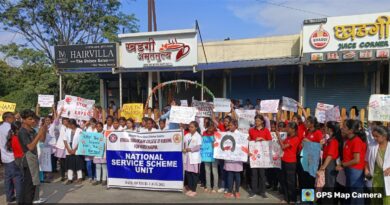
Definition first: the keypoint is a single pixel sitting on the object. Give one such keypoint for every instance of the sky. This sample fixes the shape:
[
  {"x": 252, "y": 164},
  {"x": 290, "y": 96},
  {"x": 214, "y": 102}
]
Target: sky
[{"x": 238, "y": 19}]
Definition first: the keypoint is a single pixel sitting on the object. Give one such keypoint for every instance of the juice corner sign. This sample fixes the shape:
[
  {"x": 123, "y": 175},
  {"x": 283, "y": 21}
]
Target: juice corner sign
[{"x": 346, "y": 33}]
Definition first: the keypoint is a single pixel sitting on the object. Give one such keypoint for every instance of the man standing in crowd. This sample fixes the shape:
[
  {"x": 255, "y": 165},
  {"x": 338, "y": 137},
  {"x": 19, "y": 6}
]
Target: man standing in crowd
[
  {"x": 29, "y": 139},
  {"x": 13, "y": 176}
]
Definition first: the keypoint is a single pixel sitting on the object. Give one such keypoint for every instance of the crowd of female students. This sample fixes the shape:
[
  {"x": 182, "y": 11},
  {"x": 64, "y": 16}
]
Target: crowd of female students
[{"x": 345, "y": 147}]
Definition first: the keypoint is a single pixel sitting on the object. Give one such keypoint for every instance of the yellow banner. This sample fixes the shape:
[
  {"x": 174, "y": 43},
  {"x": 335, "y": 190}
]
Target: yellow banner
[
  {"x": 6, "y": 107},
  {"x": 133, "y": 110}
]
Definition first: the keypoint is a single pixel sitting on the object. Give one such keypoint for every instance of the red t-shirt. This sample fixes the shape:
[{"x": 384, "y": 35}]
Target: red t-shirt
[
  {"x": 355, "y": 145},
  {"x": 263, "y": 133},
  {"x": 16, "y": 147},
  {"x": 331, "y": 148},
  {"x": 221, "y": 127},
  {"x": 301, "y": 131},
  {"x": 290, "y": 153},
  {"x": 315, "y": 136}
]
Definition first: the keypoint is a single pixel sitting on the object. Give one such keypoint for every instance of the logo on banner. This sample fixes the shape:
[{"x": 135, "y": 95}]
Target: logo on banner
[
  {"x": 320, "y": 38},
  {"x": 113, "y": 138},
  {"x": 228, "y": 143},
  {"x": 176, "y": 138}
]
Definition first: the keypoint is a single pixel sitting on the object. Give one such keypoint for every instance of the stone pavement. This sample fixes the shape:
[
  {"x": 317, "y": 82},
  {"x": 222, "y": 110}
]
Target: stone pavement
[{"x": 57, "y": 192}]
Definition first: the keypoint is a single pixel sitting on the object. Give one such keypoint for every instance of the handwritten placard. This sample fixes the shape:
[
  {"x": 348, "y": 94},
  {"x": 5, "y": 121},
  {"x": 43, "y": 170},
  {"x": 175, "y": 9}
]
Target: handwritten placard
[
  {"x": 264, "y": 154},
  {"x": 184, "y": 103},
  {"x": 269, "y": 106},
  {"x": 231, "y": 146},
  {"x": 379, "y": 108},
  {"x": 78, "y": 108},
  {"x": 246, "y": 119},
  {"x": 320, "y": 113},
  {"x": 205, "y": 109},
  {"x": 207, "y": 150},
  {"x": 222, "y": 105},
  {"x": 6, "y": 107},
  {"x": 333, "y": 114},
  {"x": 289, "y": 104},
  {"x": 45, "y": 100},
  {"x": 91, "y": 144},
  {"x": 183, "y": 115},
  {"x": 133, "y": 110}
]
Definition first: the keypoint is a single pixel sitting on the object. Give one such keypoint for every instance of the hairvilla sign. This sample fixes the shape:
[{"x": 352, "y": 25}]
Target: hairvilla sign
[{"x": 176, "y": 48}]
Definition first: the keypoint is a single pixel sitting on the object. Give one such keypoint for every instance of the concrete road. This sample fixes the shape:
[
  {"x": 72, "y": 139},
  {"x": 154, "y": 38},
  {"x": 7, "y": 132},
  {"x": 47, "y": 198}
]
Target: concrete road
[{"x": 57, "y": 192}]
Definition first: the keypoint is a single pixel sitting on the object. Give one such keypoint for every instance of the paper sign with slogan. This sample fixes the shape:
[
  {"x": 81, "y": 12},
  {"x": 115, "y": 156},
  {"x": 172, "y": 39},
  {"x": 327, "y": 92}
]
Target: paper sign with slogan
[
  {"x": 6, "y": 107},
  {"x": 133, "y": 110},
  {"x": 269, "y": 106},
  {"x": 333, "y": 114},
  {"x": 246, "y": 119},
  {"x": 265, "y": 154},
  {"x": 45, "y": 100},
  {"x": 91, "y": 144},
  {"x": 321, "y": 111},
  {"x": 222, "y": 105},
  {"x": 290, "y": 104},
  {"x": 231, "y": 146},
  {"x": 379, "y": 108},
  {"x": 184, "y": 103},
  {"x": 78, "y": 108},
  {"x": 183, "y": 115},
  {"x": 205, "y": 109}
]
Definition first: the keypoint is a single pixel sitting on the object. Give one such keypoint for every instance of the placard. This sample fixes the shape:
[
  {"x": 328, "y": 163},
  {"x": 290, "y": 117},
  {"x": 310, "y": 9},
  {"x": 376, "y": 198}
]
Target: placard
[
  {"x": 183, "y": 115},
  {"x": 91, "y": 144},
  {"x": 45, "y": 100},
  {"x": 333, "y": 114},
  {"x": 222, "y": 105},
  {"x": 6, "y": 107},
  {"x": 320, "y": 113},
  {"x": 205, "y": 109},
  {"x": 310, "y": 157},
  {"x": 150, "y": 161},
  {"x": 44, "y": 158},
  {"x": 231, "y": 146},
  {"x": 289, "y": 104},
  {"x": 269, "y": 106},
  {"x": 134, "y": 111},
  {"x": 264, "y": 154},
  {"x": 184, "y": 103},
  {"x": 379, "y": 108},
  {"x": 246, "y": 119},
  {"x": 78, "y": 108},
  {"x": 207, "y": 149}
]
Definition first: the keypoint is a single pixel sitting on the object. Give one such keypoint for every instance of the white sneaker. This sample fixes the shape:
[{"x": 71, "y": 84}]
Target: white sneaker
[
  {"x": 221, "y": 190},
  {"x": 40, "y": 201}
]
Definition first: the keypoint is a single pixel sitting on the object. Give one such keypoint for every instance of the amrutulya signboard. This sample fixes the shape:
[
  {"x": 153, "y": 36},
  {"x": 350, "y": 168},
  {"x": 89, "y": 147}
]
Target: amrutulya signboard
[
  {"x": 86, "y": 56},
  {"x": 176, "y": 48},
  {"x": 360, "y": 37}
]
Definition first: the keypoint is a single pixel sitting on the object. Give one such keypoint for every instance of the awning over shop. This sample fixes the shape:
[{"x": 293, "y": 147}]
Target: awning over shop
[{"x": 202, "y": 66}]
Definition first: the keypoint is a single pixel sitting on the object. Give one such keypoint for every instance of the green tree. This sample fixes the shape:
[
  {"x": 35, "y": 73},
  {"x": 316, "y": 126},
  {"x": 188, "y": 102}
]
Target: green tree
[{"x": 44, "y": 24}]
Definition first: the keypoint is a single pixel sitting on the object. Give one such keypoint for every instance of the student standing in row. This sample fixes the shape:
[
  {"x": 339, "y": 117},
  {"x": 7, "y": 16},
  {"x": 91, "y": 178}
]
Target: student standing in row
[
  {"x": 233, "y": 169},
  {"x": 377, "y": 167},
  {"x": 210, "y": 163},
  {"x": 192, "y": 159},
  {"x": 289, "y": 163},
  {"x": 100, "y": 162},
  {"x": 257, "y": 134},
  {"x": 74, "y": 163}
]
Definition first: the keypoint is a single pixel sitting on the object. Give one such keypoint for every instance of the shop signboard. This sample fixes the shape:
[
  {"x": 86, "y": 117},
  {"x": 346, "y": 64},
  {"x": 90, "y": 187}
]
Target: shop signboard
[{"x": 176, "y": 48}]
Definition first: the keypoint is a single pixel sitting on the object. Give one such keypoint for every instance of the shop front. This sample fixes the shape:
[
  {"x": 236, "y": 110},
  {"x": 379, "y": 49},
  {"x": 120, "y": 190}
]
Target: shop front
[{"x": 346, "y": 59}]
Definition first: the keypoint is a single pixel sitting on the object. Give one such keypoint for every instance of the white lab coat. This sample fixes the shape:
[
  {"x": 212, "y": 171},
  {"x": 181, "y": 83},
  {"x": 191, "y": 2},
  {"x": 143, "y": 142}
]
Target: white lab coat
[
  {"x": 75, "y": 141},
  {"x": 371, "y": 158},
  {"x": 191, "y": 141}
]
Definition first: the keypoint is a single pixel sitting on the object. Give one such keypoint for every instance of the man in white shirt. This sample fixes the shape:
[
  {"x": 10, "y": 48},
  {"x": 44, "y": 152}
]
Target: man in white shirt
[
  {"x": 248, "y": 105},
  {"x": 13, "y": 175}
]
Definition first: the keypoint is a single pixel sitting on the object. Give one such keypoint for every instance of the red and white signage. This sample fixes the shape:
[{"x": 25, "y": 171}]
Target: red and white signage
[
  {"x": 177, "y": 48},
  {"x": 77, "y": 108},
  {"x": 319, "y": 38}
]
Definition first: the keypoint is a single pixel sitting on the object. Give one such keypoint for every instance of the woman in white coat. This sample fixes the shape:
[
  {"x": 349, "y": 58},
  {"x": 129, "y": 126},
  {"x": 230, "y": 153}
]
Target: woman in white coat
[
  {"x": 192, "y": 143},
  {"x": 74, "y": 163},
  {"x": 378, "y": 165}
]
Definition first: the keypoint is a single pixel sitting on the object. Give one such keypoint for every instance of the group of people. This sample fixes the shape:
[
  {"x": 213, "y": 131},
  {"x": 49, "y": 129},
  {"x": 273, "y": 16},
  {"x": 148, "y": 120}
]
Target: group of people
[{"x": 361, "y": 156}]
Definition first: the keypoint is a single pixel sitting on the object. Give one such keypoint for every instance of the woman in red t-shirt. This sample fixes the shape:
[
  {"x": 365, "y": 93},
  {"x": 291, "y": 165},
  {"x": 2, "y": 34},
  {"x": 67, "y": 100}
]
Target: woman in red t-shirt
[
  {"x": 312, "y": 134},
  {"x": 289, "y": 162},
  {"x": 257, "y": 134},
  {"x": 331, "y": 151},
  {"x": 13, "y": 144},
  {"x": 354, "y": 154}
]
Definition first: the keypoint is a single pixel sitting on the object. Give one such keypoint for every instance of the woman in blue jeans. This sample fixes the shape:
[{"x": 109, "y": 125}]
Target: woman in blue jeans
[{"x": 354, "y": 154}]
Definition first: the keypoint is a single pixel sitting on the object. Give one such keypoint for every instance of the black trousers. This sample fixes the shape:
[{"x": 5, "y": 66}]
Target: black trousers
[
  {"x": 28, "y": 189},
  {"x": 63, "y": 167},
  {"x": 272, "y": 175},
  {"x": 258, "y": 180},
  {"x": 306, "y": 181},
  {"x": 192, "y": 180},
  {"x": 288, "y": 181}
]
